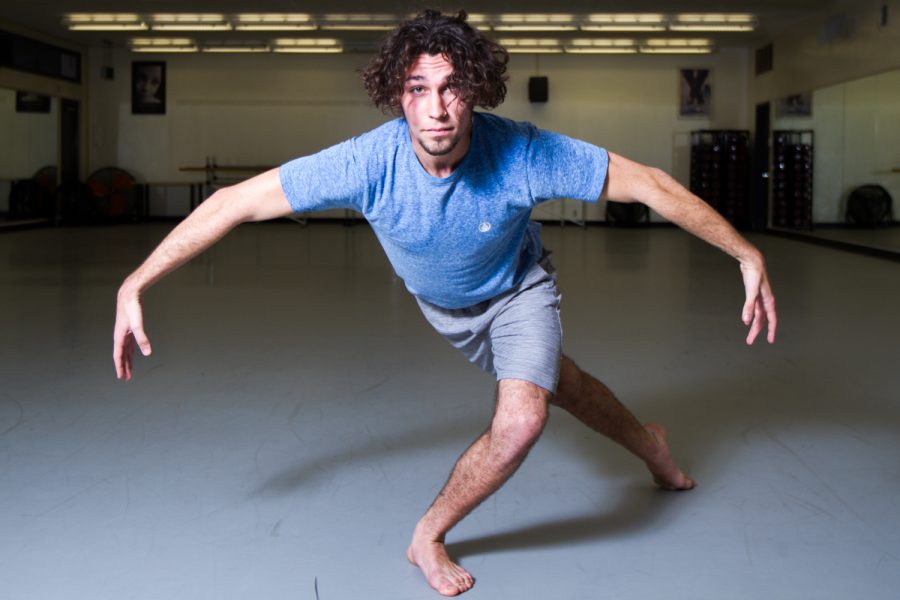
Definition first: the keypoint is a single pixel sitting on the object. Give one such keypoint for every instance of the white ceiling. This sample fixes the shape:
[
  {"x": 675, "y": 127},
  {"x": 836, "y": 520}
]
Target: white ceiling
[{"x": 45, "y": 16}]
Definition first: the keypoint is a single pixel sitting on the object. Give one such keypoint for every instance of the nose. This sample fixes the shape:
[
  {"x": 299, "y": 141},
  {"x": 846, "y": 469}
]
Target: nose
[{"x": 437, "y": 108}]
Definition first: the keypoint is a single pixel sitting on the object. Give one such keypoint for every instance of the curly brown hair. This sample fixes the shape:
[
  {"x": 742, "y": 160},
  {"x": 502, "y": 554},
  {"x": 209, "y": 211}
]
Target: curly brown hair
[{"x": 479, "y": 64}]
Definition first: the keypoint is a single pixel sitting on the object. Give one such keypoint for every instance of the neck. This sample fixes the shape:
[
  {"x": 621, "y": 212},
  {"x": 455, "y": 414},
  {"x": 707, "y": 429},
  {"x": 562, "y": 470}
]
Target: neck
[
  {"x": 442, "y": 165},
  {"x": 438, "y": 166}
]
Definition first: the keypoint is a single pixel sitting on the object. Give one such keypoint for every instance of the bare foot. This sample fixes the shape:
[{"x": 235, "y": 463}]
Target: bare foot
[
  {"x": 666, "y": 473},
  {"x": 445, "y": 576}
]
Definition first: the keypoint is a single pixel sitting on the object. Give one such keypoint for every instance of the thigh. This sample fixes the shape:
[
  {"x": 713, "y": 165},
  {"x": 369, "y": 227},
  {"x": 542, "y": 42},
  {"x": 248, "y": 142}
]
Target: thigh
[
  {"x": 526, "y": 336},
  {"x": 466, "y": 329}
]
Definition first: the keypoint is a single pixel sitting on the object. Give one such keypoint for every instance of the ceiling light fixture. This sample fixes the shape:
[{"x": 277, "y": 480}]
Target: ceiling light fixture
[
  {"x": 162, "y": 45},
  {"x": 358, "y": 22},
  {"x": 535, "y": 22},
  {"x": 624, "y": 22},
  {"x": 307, "y": 45},
  {"x": 602, "y": 46},
  {"x": 713, "y": 22},
  {"x": 234, "y": 47},
  {"x": 104, "y": 22},
  {"x": 677, "y": 46},
  {"x": 189, "y": 22},
  {"x": 479, "y": 21},
  {"x": 532, "y": 46},
  {"x": 274, "y": 22}
]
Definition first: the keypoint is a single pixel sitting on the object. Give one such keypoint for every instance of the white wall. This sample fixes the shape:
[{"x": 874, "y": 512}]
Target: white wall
[
  {"x": 28, "y": 142},
  {"x": 266, "y": 109},
  {"x": 243, "y": 110},
  {"x": 29, "y": 139},
  {"x": 628, "y": 104}
]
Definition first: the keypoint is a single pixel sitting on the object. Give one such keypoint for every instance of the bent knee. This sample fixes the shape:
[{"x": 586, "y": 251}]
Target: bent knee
[
  {"x": 521, "y": 415},
  {"x": 523, "y": 427},
  {"x": 512, "y": 439}
]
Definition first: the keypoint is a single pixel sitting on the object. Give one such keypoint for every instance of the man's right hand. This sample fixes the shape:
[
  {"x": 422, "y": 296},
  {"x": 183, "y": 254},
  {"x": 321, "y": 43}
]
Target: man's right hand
[{"x": 129, "y": 330}]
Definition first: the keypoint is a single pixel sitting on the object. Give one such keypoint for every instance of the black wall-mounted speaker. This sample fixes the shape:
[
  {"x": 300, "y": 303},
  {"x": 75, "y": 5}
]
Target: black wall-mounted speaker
[{"x": 538, "y": 89}]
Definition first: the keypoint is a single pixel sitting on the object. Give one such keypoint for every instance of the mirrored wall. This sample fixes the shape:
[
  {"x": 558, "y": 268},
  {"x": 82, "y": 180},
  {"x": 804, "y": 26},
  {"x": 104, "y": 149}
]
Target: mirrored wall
[
  {"x": 855, "y": 136},
  {"x": 28, "y": 153}
]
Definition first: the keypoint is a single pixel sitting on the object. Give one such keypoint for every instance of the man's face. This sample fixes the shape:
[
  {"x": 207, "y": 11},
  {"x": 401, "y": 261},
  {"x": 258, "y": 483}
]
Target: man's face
[
  {"x": 149, "y": 78},
  {"x": 440, "y": 124}
]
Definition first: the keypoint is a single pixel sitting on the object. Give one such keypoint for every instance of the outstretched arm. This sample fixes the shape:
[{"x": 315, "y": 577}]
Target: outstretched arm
[
  {"x": 256, "y": 199},
  {"x": 628, "y": 181}
]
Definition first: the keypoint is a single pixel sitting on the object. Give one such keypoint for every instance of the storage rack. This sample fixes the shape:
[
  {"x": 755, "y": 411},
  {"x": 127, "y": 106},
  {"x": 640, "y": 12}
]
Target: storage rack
[
  {"x": 792, "y": 178},
  {"x": 720, "y": 172}
]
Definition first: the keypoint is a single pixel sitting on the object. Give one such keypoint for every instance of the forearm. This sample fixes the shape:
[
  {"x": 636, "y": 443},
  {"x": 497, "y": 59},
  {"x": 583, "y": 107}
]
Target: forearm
[
  {"x": 257, "y": 199},
  {"x": 628, "y": 181},
  {"x": 672, "y": 201},
  {"x": 207, "y": 224}
]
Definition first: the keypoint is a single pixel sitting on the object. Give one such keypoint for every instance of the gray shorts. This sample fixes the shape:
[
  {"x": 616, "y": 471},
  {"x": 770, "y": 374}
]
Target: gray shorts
[{"x": 516, "y": 335}]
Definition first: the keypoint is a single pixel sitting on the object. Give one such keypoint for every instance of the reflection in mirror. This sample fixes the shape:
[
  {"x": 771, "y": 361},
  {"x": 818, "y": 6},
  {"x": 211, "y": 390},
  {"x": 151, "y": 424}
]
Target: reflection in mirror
[
  {"x": 28, "y": 155},
  {"x": 856, "y": 143}
]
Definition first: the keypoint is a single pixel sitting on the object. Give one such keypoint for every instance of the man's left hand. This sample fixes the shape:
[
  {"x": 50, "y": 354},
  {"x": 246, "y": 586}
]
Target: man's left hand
[{"x": 759, "y": 307}]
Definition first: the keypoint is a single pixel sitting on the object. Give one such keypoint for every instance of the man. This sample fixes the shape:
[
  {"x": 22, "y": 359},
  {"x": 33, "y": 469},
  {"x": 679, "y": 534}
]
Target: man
[{"x": 449, "y": 191}]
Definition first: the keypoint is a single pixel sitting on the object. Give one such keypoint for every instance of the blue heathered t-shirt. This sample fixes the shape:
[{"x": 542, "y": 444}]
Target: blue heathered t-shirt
[{"x": 459, "y": 240}]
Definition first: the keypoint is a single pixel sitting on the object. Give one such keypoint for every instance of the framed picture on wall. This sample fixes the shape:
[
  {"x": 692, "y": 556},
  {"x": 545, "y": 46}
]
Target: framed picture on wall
[
  {"x": 694, "y": 92},
  {"x": 796, "y": 105},
  {"x": 28, "y": 102},
  {"x": 148, "y": 88}
]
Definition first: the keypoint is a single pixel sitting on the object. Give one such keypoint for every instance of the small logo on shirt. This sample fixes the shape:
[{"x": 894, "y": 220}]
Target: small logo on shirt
[{"x": 484, "y": 227}]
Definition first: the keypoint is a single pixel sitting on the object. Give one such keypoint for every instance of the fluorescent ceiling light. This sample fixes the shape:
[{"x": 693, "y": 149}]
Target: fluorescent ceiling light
[
  {"x": 574, "y": 50},
  {"x": 299, "y": 50},
  {"x": 307, "y": 45},
  {"x": 163, "y": 49},
  {"x": 104, "y": 22},
  {"x": 274, "y": 22},
  {"x": 678, "y": 42},
  {"x": 624, "y": 22},
  {"x": 232, "y": 50},
  {"x": 235, "y": 48},
  {"x": 677, "y": 46},
  {"x": 713, "y": 22},
  {"x": 524, "y": 50},
  {"x": 479, "y": 21},
  {"x": 162, "y": 45},
  {"x": 359, "y": 22},
  {"x": 646, "y": 50},
  {"x": 535, "y": 22},
  {"x": 189, "y": 22},
  {"x": 602, "y": 46},
  {"x": 532, "y": 45}
]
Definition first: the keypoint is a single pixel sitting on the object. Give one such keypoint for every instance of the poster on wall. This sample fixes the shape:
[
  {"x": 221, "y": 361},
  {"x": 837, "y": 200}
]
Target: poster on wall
[
  {"x": 27, "y": 102},
  {"x": 148, "y": 88},
  {"x": 694, "y": 93},
  {"x": 796, "y": 105}
]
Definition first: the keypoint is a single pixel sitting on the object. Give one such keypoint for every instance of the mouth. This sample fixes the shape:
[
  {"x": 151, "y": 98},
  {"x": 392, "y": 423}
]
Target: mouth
[{"x": 439, "y": 130}]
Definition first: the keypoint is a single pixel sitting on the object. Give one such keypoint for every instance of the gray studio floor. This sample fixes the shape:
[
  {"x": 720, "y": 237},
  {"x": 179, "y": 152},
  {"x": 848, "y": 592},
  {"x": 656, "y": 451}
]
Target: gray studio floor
[{"x": 298, "y": 415}]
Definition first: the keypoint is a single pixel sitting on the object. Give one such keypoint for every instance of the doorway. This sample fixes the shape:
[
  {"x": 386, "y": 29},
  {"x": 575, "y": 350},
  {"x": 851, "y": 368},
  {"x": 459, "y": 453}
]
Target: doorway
[{"x": 759, "y": 210}]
